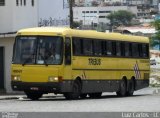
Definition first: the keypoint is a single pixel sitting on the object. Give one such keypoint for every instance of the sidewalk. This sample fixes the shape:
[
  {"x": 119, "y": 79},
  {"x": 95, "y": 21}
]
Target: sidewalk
[
  {"x": 11, "y": 96},
  {"x": 22, "y": 96}
]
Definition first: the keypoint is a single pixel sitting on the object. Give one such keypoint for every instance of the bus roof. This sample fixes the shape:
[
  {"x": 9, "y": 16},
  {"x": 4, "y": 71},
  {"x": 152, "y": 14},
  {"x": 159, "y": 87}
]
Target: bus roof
[{"x": 50, "y": 31}]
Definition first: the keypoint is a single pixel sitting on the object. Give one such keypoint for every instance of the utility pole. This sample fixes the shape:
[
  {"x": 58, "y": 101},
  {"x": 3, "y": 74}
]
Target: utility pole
[{"x": 71, "y": 13}]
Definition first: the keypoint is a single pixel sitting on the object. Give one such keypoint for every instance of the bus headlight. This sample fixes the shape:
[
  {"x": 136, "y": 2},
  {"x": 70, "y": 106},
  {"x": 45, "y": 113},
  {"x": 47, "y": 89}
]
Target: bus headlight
[
  {"x": 16, "y": 78},
  {"x": 52, "y": 79}
]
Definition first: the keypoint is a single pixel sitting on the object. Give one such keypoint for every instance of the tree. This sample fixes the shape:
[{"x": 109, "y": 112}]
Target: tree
[
  {"x": 120, "y": 17},
  {"x": 155, "y": 39}
]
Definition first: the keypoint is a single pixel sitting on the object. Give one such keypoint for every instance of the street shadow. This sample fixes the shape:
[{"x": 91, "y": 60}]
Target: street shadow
[{"x": 62, "y": 98}]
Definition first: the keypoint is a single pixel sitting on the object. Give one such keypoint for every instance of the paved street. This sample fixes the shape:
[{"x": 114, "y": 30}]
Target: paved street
[{"x": 145, "y": 100}]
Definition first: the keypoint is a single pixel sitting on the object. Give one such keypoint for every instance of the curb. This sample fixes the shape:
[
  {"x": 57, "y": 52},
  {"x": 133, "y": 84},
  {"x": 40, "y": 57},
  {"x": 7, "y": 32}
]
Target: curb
[{"x": 10, "y": 97}]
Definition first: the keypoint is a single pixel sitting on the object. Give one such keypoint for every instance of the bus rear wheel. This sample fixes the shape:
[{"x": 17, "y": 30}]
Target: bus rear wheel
[
  {"x": 130, "y": 88},
  {"x": 33, "y": 95},
  {"x": 76, "y": 91},
  {"x": 122, "y": 89}
]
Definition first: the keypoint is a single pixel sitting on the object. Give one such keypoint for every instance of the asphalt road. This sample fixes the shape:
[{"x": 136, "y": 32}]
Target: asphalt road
[{"x": 145, "y": 100}]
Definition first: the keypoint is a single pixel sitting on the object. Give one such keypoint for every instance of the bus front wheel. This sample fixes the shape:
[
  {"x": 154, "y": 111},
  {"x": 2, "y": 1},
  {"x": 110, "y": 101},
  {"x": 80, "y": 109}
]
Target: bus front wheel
[
  {"x": 122, "y": 89},
  {"x": 76, "y": 91},
  {"x": 33, "y": 95}
]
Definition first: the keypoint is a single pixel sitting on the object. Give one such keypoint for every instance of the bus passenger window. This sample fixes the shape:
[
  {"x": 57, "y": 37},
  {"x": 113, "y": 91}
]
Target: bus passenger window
[
  {"x": 130, "y": 49},
  {"x": 109, "y": 48},
  {"x": 135, "y": 50},
  {"x": 77, "y": 50},
  {"x": 127, "y": 50},
  {"x": 87, "y": 47},
  {"x": 145, "y": 50},
  {"x": 114, "y": 48},
  {"x": 122, "y": 49},
  {"x": 140, "y": 50},
  {"x": 118, "y": 49},
  {"x": 97, "y": 47}
]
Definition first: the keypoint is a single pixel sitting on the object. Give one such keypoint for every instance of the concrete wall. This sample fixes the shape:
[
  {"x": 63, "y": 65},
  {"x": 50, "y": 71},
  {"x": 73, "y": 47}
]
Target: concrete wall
[
  {"x": 24, "y": 16},
  {"x": 15, "y": 17},
  {"x": 6, "y": 17},
  {"x": 7, "y": 43}
]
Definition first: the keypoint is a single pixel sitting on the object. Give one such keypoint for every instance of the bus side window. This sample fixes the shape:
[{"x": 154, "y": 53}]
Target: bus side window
[
  {"x": 87, "y": 47},
  {"x": 109, "y": 48},
  {"x": 97, "y": 48},
  {"x": 140, "y": 50},
  {"x": 77, "y": 50},
  {"x": 130, "y": 50},
  {"x": 127, "y": 49},
  {"x": 67, "y": 51},
  {"x": 118, "y": 48},
  {"x": 135, "y": 50},
  {"x": 145, "y": 51}
]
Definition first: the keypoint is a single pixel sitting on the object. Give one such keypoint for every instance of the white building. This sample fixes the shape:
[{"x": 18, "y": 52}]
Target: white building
[
  {"x": 89, "y": 15},
  {"x": 18, "y": 14},
  {"x": 14, "y": 14},
  {"x": 113, "y": 1}
]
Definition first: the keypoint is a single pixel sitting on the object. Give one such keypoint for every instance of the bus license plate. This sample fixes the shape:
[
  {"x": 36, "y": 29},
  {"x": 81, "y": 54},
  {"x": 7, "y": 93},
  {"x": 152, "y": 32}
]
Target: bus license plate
[{"x": 34, "y": 88}]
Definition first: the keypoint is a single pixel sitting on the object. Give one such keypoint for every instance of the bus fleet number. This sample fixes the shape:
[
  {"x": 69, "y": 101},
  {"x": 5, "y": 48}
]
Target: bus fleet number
[{"x": 94, "y": 61}]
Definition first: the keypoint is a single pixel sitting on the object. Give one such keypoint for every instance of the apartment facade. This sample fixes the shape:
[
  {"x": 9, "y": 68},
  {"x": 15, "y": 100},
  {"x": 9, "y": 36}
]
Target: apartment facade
[{"x": 90, "y": 15}]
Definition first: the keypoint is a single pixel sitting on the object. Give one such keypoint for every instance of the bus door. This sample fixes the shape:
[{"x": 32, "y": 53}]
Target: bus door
[{"x": 67, "y": 68}]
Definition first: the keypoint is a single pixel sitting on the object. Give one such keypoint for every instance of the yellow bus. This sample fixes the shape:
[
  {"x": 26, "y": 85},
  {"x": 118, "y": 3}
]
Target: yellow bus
[{"x": 78, "y": 63}]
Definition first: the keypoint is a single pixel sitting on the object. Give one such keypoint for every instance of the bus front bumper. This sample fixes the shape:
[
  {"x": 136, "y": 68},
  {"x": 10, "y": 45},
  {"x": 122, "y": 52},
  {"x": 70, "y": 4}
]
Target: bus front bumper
[{"x": 46, "y": 87}]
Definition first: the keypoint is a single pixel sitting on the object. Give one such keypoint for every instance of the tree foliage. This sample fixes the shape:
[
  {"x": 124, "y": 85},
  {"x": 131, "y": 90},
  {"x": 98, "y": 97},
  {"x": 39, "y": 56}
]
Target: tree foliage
[
  {"x": 120, "y": 17},
  {"x": 155, "y": 39}
]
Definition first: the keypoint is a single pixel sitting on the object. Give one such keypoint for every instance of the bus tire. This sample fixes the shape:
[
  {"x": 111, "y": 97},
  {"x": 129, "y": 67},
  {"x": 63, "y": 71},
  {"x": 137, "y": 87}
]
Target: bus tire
[
  {"x": 95, "y": 95},
  {"x": 122, "y": 89},
  {"x": 76, "y": 91},
  {"x": 130, "y": 88},
  {"x": 33, "y": 95}
]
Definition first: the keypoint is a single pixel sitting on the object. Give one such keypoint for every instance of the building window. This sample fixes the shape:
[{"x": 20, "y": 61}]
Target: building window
[
  {"x": 21, "y": 2},
  {"x": 2, "y": 2},
  {"x": 17, "y": 2},
  {"x": 32, "y": 2},
  {"x": 24, "y": 2}
]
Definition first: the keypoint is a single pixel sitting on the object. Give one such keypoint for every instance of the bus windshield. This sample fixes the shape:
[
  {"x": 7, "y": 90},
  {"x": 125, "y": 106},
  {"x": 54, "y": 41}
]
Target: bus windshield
[{"x": 38, "y": 50}]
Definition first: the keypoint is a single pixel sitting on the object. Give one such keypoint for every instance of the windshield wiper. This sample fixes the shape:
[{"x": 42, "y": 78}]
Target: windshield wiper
[
  {"x": 43, "y": 59},
  {"x": 28, "y": 59}
]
